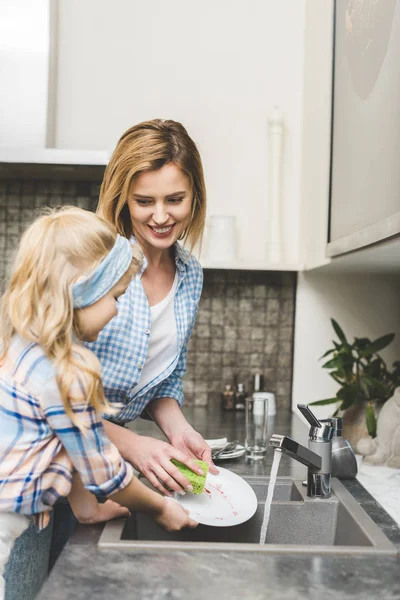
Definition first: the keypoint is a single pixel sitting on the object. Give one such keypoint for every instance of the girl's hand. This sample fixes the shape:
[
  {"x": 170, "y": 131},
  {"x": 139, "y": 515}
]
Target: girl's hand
[
  {"x": 153, "y": 459},
  {"x": 191, "y": 443},
  {"x": 173, "y": 517},
  {"x": 86, "y": 508},
  {"x": 103, "y": 512}
]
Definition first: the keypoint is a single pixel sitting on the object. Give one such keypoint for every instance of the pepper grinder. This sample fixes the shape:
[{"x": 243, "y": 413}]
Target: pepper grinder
[
  {"x": 228, "y": 398},
  {"x": 240, "y": 400}
]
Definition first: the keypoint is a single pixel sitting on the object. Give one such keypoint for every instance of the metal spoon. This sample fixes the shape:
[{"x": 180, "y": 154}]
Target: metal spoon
[{"x": 228, "y": 447}]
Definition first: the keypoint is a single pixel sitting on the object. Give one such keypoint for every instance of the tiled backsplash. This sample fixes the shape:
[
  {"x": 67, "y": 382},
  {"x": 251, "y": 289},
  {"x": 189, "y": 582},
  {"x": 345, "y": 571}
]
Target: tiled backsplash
[
  {"x": 21, "y": 201},
  {"x": 244, "y": 326},
  {"x": 245, "y": 320}
]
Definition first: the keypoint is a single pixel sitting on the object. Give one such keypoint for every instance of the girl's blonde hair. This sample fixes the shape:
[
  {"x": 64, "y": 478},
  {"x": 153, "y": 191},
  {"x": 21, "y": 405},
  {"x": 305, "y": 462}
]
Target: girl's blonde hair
[
  {"x": 57, "y": 249},
  {"x": 148, "y": 146}
]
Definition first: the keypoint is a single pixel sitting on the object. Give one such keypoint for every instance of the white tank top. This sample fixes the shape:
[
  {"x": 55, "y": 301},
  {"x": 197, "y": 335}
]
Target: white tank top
[{"x": 163, "y": 342}]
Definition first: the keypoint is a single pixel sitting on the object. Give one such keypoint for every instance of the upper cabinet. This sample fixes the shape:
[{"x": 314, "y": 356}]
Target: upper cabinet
[
  {"x": 217, "y": 67},
  {"x": 316, "y": 132},
  {"x": 254, "y": 90},
  {"x": 24, "y": 67},
  {"x": 252, "y": 87},
  {"x": 365, "y": 183}
]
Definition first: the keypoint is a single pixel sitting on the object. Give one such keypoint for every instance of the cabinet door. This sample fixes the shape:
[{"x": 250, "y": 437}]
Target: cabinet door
[
  {"x": 365, "y": 175},
  {"x": 24, "y": 67},
  {"x": 212, "y": 66}
]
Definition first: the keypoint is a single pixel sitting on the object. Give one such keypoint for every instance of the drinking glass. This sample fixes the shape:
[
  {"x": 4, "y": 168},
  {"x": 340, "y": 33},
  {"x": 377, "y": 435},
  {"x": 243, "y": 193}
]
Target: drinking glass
[{"x": 256, "y": 427}]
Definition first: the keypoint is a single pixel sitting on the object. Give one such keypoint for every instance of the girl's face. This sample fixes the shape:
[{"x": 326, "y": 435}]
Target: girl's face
[
  {"x": 92, "y": 319},
  {"x": 160, "y": 205}
]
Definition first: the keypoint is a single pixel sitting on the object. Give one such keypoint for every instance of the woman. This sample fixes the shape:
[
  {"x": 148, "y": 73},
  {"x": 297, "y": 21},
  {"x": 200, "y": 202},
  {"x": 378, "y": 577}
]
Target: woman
[{"x": 154, "y": 193}]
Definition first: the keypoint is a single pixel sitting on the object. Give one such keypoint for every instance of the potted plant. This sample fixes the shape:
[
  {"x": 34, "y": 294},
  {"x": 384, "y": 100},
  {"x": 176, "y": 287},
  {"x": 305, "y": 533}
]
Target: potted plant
[{"x": 364, "y": 379}]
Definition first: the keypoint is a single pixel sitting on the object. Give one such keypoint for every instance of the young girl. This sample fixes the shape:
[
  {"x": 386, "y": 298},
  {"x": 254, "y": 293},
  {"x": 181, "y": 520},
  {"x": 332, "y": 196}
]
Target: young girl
[{"x": 70, "y": 269}]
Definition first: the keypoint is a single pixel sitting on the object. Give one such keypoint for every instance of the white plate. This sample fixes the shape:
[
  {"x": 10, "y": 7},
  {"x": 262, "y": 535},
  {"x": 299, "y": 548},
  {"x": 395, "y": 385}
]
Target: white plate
[
  {"x": 227, "y": 500},
  {"x": 216, "y": 443},
  {"x": 238, "y": 451}
]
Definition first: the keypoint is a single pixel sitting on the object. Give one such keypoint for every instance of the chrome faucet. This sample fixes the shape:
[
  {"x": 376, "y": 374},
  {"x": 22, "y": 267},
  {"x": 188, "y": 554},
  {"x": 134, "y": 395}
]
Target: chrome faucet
[{"x": 317, "y": 457}]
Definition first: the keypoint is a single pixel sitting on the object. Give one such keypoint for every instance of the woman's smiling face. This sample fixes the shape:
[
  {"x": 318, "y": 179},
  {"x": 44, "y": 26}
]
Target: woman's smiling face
[{"x": 160, "y": 205}]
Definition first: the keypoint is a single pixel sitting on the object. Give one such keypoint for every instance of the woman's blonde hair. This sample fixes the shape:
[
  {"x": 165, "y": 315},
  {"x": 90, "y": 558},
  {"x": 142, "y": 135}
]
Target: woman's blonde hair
[
  {"x": 57, "y": 249},
  {"x": 148, "y": 146}
]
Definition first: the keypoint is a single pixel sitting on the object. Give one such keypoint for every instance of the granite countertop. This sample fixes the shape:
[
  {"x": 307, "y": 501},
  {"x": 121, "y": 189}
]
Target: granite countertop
[{"x": 83, "y": 571}]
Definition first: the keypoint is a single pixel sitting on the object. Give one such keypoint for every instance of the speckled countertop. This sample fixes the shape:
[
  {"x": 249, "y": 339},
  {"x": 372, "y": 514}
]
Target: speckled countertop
[{"x": 83, "y": 571}]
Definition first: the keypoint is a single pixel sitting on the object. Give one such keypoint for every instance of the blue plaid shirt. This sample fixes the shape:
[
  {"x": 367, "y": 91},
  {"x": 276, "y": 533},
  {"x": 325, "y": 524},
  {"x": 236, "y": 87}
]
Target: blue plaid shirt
[
  {"x": 123, "y": 344},
  {"x": 40, "y": 447}
]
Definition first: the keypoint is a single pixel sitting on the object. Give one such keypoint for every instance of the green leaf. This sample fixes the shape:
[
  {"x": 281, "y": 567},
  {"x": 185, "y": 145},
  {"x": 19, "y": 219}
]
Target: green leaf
[
  {"x": 338, "y": 331},
  {"x": 349, "y": 395},
  {"x": 322, "y": 402},
  {"x": 378, "y": 345},
  {"x": 362, "y": 343},
  {"x": 347, "y": 403},
  {"x": 343, "y": 361},
  {"x": 374, "y": 368},
  {"x": 327, "y": 353},
  {"x": 370, "y": 419},
  {"x": 345, "y": 374},
  {"x": 337, "y": 377},
  {"x": 375, "y": 385}
]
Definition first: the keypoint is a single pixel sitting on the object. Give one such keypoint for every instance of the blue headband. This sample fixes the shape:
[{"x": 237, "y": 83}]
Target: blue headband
[{"x": 105, "y": 276}]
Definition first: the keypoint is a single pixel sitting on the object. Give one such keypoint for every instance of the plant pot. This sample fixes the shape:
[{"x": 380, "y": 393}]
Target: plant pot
[{"x": 355, "y": 424}]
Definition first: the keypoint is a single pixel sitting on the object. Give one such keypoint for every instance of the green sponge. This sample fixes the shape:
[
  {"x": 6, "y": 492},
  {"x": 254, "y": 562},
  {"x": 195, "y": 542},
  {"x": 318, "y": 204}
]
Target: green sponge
[{"x": 198, "y": 481}]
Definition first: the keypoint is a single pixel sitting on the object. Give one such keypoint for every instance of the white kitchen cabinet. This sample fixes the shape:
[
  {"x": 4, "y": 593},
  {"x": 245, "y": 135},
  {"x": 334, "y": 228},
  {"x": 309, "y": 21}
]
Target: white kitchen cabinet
[
  {"x": 364, "y": 213},
  {"x": 365, "y": 189},
  {"x": 241, "y": 265},
  {"x": 24, "y": 72},
  {"x": 217, "y": 67},
  {"x": 361, "y": 287},
  {"x": 316, "y": 137},
  {"x": 114, "y": 65}
]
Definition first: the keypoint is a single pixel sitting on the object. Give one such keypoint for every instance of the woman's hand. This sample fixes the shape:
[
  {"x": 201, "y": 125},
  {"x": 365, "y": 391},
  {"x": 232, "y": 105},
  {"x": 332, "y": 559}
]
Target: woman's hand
[
  {"x": 191, "y": 443},
  {"x": 181, "y": 435},
  {"x": 153, "y": 459},
  {"x": 174, "y": 517}
]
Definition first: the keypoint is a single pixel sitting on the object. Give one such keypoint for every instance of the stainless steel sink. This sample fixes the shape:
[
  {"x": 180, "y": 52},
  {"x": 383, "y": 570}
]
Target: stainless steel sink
[{"x": 338, "y": 525}]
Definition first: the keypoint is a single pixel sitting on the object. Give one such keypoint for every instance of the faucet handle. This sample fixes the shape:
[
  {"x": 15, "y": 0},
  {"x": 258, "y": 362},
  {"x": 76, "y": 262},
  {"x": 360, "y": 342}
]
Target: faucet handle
[
  {"x": 336, "y": 424},
  {"x": 311, "y": 418}
]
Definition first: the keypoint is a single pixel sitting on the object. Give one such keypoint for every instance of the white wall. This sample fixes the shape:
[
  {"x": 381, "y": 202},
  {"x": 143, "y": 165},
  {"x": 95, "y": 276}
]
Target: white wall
[
  {"x": 364, "y": 305},
  {"x": 217, "y": 66}
]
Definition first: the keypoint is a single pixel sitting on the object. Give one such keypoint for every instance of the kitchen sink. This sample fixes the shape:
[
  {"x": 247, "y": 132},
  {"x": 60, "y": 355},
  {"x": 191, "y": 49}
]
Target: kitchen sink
[{"x": 298, "y": 524}]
